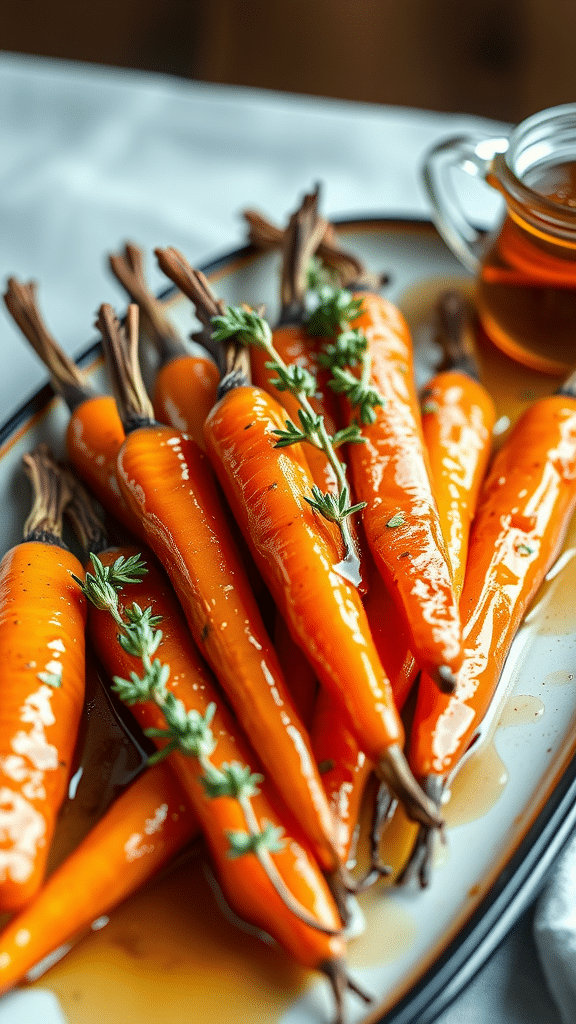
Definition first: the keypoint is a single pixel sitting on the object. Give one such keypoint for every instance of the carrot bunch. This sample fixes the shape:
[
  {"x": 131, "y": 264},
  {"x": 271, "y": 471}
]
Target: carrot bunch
[{"x": 275, "y": 786}]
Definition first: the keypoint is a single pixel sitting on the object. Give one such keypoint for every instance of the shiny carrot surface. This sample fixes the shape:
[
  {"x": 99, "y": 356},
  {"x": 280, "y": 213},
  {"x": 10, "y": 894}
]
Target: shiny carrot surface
[
  {"x": 42, "y": 619},
  {"x": 524, "y": 510},
  {"x": 142, "y": 830},
  {"x": 391, "y": 474}
]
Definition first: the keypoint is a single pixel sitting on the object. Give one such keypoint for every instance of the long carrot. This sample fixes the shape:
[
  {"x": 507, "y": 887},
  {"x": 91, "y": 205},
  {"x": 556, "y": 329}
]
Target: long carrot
[
  {"x": 142, "y": 830},
  {"x": 94, "y": 432},
  {"x": 524, "y": 509},
  {"x": 458, "y": 416},
  {"x": 295, "y": 553},
  {"x": 391, "y": 474},
  {"x": 289, "y": 899},
  {"x": 186, "y": 383},
  {"x": 42, "y": 619},
  {"x": 167, "y": 481}
]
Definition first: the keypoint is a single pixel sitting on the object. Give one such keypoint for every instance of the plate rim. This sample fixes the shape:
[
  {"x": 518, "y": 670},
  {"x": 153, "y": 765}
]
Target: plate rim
[{"x": 521, "y": 879}]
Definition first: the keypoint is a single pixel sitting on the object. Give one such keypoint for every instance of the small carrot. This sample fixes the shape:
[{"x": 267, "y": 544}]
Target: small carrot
[
  {"x": 42, "y": 619},
  {"x": 458, "y": 416},
  {"x": 524, "y": 509},
  {"x": 186, "y": 383},
  {"x": 391, "y": 475},
  {"x": 142, "y": 830},
  {"x": 95, "y": 432},
  {"x": 267, "y": 872},
  {"x": 166, "y": 479}
]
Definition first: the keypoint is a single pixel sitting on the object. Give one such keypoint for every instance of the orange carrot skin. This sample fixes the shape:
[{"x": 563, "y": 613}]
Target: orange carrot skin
[
  {"x": 458, "y": 416},
  {"x": 298, "y": 671},
  {"x": 184, "y": 392},
  {"x": 524, "y": 510},
  {"x": 143, "y": 829},
  {"x": 246, "y": 887},
  {"x": 93, "y": 438},
  {"x": 295, "y": 550},
  {"x": 42, "y": 624},
  {"x": 295, "y": 346},
  {"x": 391, "y": 473},
  {"x": 167, "y": 481}
]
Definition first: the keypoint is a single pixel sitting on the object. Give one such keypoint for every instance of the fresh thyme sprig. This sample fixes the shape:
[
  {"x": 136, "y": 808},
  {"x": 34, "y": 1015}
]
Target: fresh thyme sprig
[
  {"x": 251, "y": 329},
  {"x": 332, "y": 316},
  {"x": 186, "y": 731}
]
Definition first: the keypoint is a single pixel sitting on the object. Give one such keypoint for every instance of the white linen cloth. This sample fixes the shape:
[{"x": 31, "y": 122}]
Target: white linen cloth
[{"x": 90, "y": 157}]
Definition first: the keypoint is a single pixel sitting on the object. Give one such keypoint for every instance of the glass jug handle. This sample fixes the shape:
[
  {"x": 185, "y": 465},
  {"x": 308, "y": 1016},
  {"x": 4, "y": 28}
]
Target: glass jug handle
[{"x": 474, "y": 155}]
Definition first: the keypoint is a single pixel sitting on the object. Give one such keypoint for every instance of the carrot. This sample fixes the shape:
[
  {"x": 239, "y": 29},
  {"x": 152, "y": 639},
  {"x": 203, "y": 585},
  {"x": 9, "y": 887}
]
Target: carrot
[
  {"x": 186, "y": 384},
  {"x": 458, "y": 415},
  {"x": 524, "y": 509},
  {"x": 281, "y": 891},
  {"x": 95, "y": 432},
  {"x": 42, "y": 619},
  {"x": 391, "y": 474},
  {"x": 142, "y": 830},
  {"x": 295, "y": 553},
  {"x": 166, "y": 480}
]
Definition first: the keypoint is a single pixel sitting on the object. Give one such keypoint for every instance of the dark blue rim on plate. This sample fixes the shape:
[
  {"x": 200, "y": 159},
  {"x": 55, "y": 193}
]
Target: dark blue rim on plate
[{"x": 521, "y": 879}]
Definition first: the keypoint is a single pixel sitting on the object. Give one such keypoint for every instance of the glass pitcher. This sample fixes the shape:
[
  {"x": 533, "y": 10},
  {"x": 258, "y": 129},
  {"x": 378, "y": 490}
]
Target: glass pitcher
[{"x": 526, "y": 267}]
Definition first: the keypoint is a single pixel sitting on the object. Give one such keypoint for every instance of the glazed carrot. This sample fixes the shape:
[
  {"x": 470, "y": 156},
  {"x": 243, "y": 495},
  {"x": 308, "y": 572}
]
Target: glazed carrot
[
  {"x": 142, "y": 830},
  {"x": 95, "y": 432},
  {"x": 295, "y": 551},
  {"x": 42, "y": 619},
  {"x": 524, "y": 509},
  {"x": 186, "y": 383},
  {"x": 311, "y": 931},
  {"x": 458, "y": 415},
  {"x": 391, "y": 474},
  {"x": 166, "y": 480},
  {"x": 298, "y": 672}
]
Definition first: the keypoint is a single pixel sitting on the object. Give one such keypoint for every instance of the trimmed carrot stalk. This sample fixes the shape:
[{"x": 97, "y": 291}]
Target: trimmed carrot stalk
[
  {"x": 95, "y": 432},
  {"x": 166, "y": 480},
  {"x": 295, "y": 551},
  {"x": 192, "y": 683},
  {"x": 391, "y": 474},
  {"x": 186, "y": 384},
  {"x": 42, "y": 680},
  {"x": 265, "y": 235},
  {"x": 143, "y": 829},
  {"x": 525, "y": 506}
]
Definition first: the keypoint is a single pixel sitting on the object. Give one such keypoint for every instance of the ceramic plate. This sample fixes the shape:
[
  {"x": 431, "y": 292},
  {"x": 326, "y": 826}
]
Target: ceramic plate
[{"x": 170, "y": 953}]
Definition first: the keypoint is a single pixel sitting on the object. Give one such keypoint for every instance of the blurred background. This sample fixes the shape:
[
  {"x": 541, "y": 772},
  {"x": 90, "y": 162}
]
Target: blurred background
[{"x": 499, "y": 58}]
